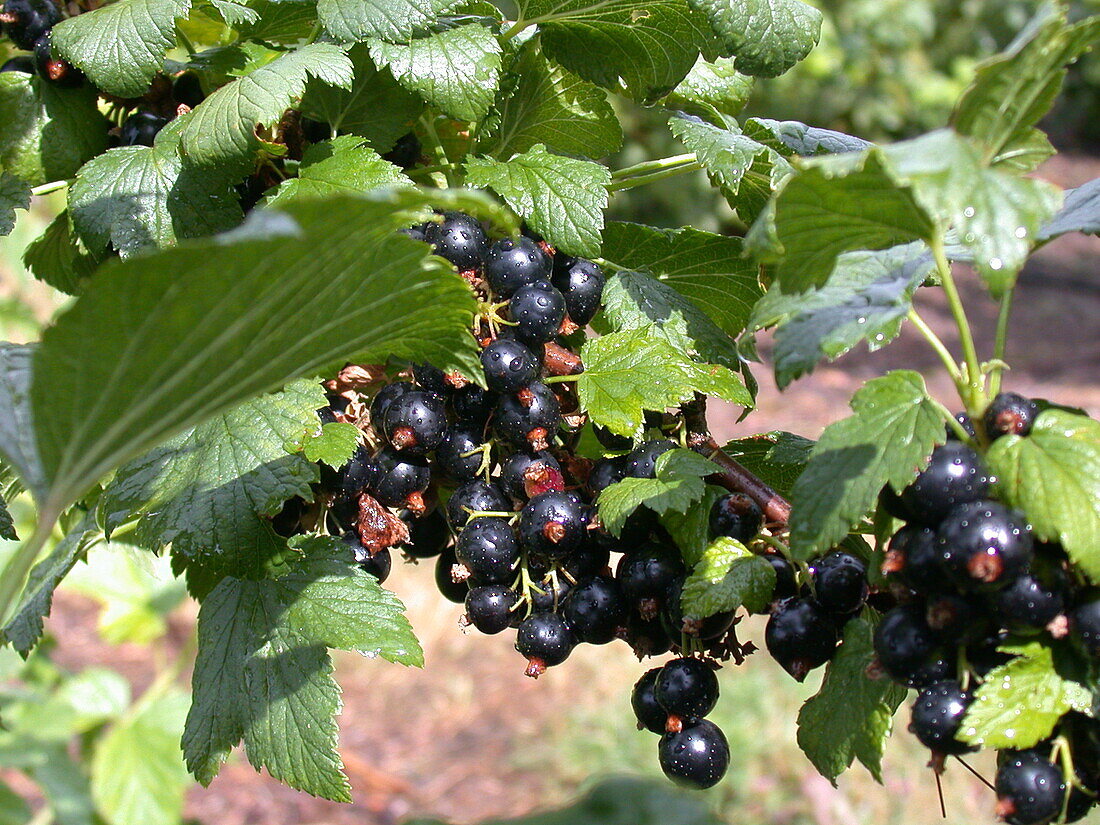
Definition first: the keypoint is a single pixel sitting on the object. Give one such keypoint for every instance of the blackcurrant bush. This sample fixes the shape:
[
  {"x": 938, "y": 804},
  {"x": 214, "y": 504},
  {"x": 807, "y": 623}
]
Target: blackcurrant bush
[
  {"x": 646, "y": 574},
  {"x": 30, "y": 19},
  {"x": 954, "y": 475},
  {"x": 509, "y": 366},
  {"x": 840, "y": 582},
  {"x": 512, "y": 263},
  {"x": 650, "y": 715},
  {"x": 477, "y": 496},
  {"x": 581, "y": 282},
  {"x": 415, "y": 422},
  {"x": 489, "y": 550},
  {"x": 604, "y": 473},
  {"x": 984, "y": 545},
  {"x": 523, "y": 475},
  {"x": 1009, "y": 414},
  {"x": 473, "y": 405},
  {"x": 528, "y": 419},
  {"x": 383, "y": 398},
  {"x": 937, "y": 715},
  {"x": 595, "y": 609},
  {"x": 460, "y": 453},
  {"x": 538, "y": 311},
  {"x": 545, "y": 640},
  {"x": 1084, "y": 623},
  {"x": 453, "y": 591},
  {"x": 800, "y": 636},
  {"x": 909, "y": 650},
  {"x": 405, "y": 154},
  {"x": 140, "y": 128},
  {"x": 490, "y": 607},
  {"x": 1030, "y": 790},
  {"x": 786, "y": 580},
  {"x": 398, "y": 477},
  {"x": 378, "y": 564},
  {"x": 428, "y": 535},
  {"x": 459, "y": 239},
  {"x": 642, "y": 462},
  {"x": 695, "y": 757},
  {"x": 1033, "y": 600},
  {"x": 21, "y": 63},
  {"x": 687, "y": 688},
  {"x": 554, "y": 524},
  {"x": 611, "y": 441}
]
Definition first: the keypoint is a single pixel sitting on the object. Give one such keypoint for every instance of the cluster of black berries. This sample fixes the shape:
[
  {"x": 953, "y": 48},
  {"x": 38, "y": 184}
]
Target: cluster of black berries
[{"x": 28, "y": 23}]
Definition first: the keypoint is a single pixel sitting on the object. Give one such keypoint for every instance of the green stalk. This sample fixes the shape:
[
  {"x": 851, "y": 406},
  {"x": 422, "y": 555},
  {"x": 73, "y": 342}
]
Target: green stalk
[
  {"x": 560, "y": 379},
  {"x": 1001, "y": 344},
  {"x": 52, "y": 186},
  {"x": 971, "y": 391},
  {"x": 939, "y": 346},
  {"x": 653, "y": 177},
  {"x": 447, "y": 167},
  {"x": 653, "y": 166}
]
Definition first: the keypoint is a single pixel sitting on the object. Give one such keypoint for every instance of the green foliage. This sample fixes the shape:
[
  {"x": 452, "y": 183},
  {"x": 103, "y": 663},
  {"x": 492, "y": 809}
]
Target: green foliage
[
  {"x": 14, "y": 194},
  {"x": 777, "y": 458},
  {"x": 677, "y": 485},
  {"x": 727, "y": 577},
  {"x": 345, "y": 165},
  {"x": 766, "y": 36}
]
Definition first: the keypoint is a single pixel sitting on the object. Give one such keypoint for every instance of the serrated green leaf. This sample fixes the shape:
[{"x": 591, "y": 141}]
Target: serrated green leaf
[
  {"x": 1053, "y": 476},
  {"x": 1080, "y": 212},
  {"x": 456, "y": 70},
  {"x": 136, "y": 197},
  {"x": 888, "y": 440},
  {"x": 691, "y": 530},
  {"x": 17, "y": 440},
  {"x": 865, "y": 299},
  {"x": 562, "y": 198},
  {"x": 716, "y": 84},
  {"x": 709, "y": 270},
  {"x": 375, "y": 106},
  {"x": 766, "y": 37},
  {"x": 48, "y": 131},
  {"x": 334, "y": 445},
  {"x": 14, "y": 194},
  {"x": 279, "y": 22},
  {"x": 121, "y": 45},
  {"x": 343, "y": 165},
  {"x": 677, "y": 485},
  {"x": 138, "y": 773},
  {"x": 629, "y": 372},
  {"x": 1022, "y": 700},
  {"x": 221, "y": 130},
  {"x": 777, "y": 458},
  {"x": 789, "y": 137},
  {"x": 7, "y": 525},
  {"x": 727, "y": 577},
  {"x": 747, "y": 172},
  {"x": 59, "y": 258},
  {"x": 393, "y": 20},
  {"x": 236, "y": 14},
  {"x": 850, "y": 717},
  {"x": 540, "y": 102}
]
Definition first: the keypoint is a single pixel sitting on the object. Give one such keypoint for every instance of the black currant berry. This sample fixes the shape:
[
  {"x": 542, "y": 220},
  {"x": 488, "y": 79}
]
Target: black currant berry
[
  {"x": 187, "y": 90},
  {"x": 453, "y": 591},
  {"x": 538, "y": 311},
  {"x": 545, "y": 640},
  {"x": 378, "y": 565},
  {"x": 382, "y": 400},
  {"x": 611, "y": 441},
  {"x": 459, "y": 239},
  {"x": 415, "y": 422},
  {"x": 956, "y": 617},
  {"x": 642, "y": 462},
  {"x": 595, "y": 609},
  {"x": 405, "y": 154},
  {"x": 786, "y": 580},
  {"x": 984, "y": 545},
  {"x": 509, "y": 366},
  {"x": 592, "y": 557},
  {"x": 1033, "y": 600},
  {"x": 528, "y": 419},
  {"x": 140, "y": 128},
  {"x": 477, "y": 496},
  {"x": 914, "y": 556},
  {"x": 513, "y": 263},
  {"x": 21, "y": 63},
  {"x": 398, "y": 478},
  {"x": 473, "y": 405},
  {"x": 909, "y": 650},
  {"x": 937, "y": 715},
  {"x": 581, "y": 282},
  {"x": 460, "y": 453},
  {"x": 647, "y": 637},
  {"x": 604, "y": 473},
  {"x": 431, "y": 379},
  {"x": 489, "y": 608},
  {"x": 29, "y": 20},
  {"x": 646, "y": 574},
  {"x": 954, "y": 476},
  {"x": 554, "y": 524},
  {"x": 891, "y": 503},
  {"x": 1030, "y": 790},
  {"x": 736, "y": 516},
  {"x": 695, "y": 757},
  {"x": 351, "y": 480},
  {"x": 840, "y": 582},
  {"x": 52, "y": 68},
  {"x": 549, "y": 595},
  {"x": 650, "y": 715},
  {"x": 523, "y": 475},
  {"x": 687, "y": 688},
  {"x": 1009, "y": 414},
  {"x": 800, "y": 636},
  {"x": 488, "y": 549},
  {"x": 428, "y": 535},
  {"x": 966, "y": 423},
  {"x": 1084, "y": 623}
]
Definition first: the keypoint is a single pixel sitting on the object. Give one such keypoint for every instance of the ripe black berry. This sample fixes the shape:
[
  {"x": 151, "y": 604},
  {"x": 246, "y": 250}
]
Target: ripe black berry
[
  {"x": 581, "y": 282},
  {"x": 801, "y": 636},
  {"x": 595, "y": 609},
  {"x": 1030, "y": 790},
  {"x": 549, "y": 595},
  {"x": 523, "y": 475},
  {"x": 545, "y": 640},
  {"x": 513, "y": 263},
  {"x": 642, "y": 462},
  {"x": 647, "y": 637},
  {"x": 1033, "y": 600},
  {"x": 428, "y": 535},
  {"x": 140, "y": 128},
  {"x": 52, "y": 68},
  {"x": 415, "y": 422},
  {"x": 431, "y": 379},
  {"x": 646, "y": 574},
  {"x": 604, "y": 473},
  {"x": 30, "y": 20},
  {"x": 984, "y": 545},
  {"x": 786, "y": 581},
  {"x": 914, "y": 556},
  {"x": 528, "y": 419},
  {"x": 187, "y": 90},
  {"x": 489, "y": 608},
  {"x": 352, "y": 479},
  {"x": 460, "y": 453},
  {"x": 383, "y": 398},
  {"x": 687, "y": 688},
  {"x": 1009, "y": 414},
  {"x": 509, "y": 366},
  {"x": 554, "y": 524},
  {"x": 1084, "y": 623},
  {"x": 378, "y": 564},
  {"x": 909, "y": 650},
  {"x": 695, "y": 757},
  {"x": 488, "y": 549},
  {"x": 937, "y": 715},
  {"x": 954, "y": 476},
  {"x": 458, "y": 238},
  {"x": 592, "y": 557},
  {"x": 538, "y": 311},
  {"x": 966, "y": 423},
  {"x": 398, "y": 477},
  {"x": 650, "y": 715},
  {"x": 21, "y": 63},
  {"x": 477, "y": 496},
  {"x": 840, "y": 582},
  {"x": 473, "y": 405},
  {"x": 453, "y": 591},
  {"x": 736, "y": 516},
  {"x": 405, "y": 154}
]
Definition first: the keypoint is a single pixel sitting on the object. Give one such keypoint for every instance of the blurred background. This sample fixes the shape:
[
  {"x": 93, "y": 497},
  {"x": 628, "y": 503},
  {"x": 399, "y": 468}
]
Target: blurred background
[{"x": 469, "y": 737}]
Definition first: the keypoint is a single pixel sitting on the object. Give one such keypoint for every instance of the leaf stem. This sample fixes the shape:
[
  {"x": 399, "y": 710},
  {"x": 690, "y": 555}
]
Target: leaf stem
[
  {"x": 653, "y": 177},
  {"x": 938, "y": 345},
  {"x": 559, "y": 379},
  {"x": 447, "y": 167},
  {"x": 314, "y": 33},
  {"x": 970, "y": 388},
  {"x": 52, "y": 186},
  {"x": 185, "y": 41},
  {"x": 1000, "y": 344},
  {"x": 653, "y": 166}
]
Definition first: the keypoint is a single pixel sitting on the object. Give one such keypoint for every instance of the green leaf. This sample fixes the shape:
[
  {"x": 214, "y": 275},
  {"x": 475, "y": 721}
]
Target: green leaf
[
  {"x": 767, "y": 37},
  {"x": 7, "y": 525},
  {"x": 562, "y": 198},
  {"x": 262, "y": 672},
  {"x": 136, "y": 197},
  {"x": 393, "y": 20},
  {"x": 727, "y": 577},
  {"x": 710, "y": 270},
  {"x": 715, "y": 84},
  {"x": 850, "y": 717},
  {"x": 1080, "y": 212},
  {"x": 747, "y": 172},
  {"x": 865, "y": 299},
  {"x": 456, "y": 70},
  {"x": 1012, "y": 91},
  {"x": 776, "y": 458},
  {"x": 120, "y": 46},
  {"x": 279, "y": 22},
  {"x": 222, "y": 128},
  {"x": 205, "y": 491},
  {"x": 375, "y": 106},
  {"x": 629, "y": 372},
  {"x": 138, "y": 773},
  {"x": 343, "y": 165},
  {"x": 1053, "y": 475},
  {"x": 643, "y": 49},
  {"x": 48, "y": 131},
  {"x": 59, "y": 257},
  {"x": 334, "y": 445},
  {"x": 789, "y": 137},
  {"x": 677, "y": 485},
  {"x": 164, "y": 341},
  {"x": 540, "y": 102},
  {"x": 14, "y": 194},
  {"x": 13, "y": 809},
  {"x": 691, "y": 530},
  {"x": 1021, "y": 701},
  {"x": 17, "y": 441},
  {"x": 887, "y": 441}
]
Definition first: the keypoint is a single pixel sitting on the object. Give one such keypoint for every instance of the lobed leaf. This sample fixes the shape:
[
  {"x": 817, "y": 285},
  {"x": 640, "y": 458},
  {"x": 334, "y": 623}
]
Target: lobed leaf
[
  {"x": 350, "y": 21},
  {"x": 677, "y": 485},
  {"x": 728, "y": 576},
  {"x": 777, "y": 458},
  {"x": 767, "y": 37},
  {"x": 60, "y": 258},
  {"x": 344, "y": 165},
  {"x": 716, "y": 84}
]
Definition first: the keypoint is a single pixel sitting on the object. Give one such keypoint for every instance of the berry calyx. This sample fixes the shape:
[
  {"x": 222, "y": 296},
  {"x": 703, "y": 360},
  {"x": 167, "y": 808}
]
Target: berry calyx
[
  {"x": 800, "y": 636},
  {"x": 697, "y": 756},
  {"x": 453, "y": 591},
  {"x": 554, "y": 524},
  {"x": 545, "y": 640},
  {"x": 1009, "y": 414},
  {"x": 524, "y": 476}
]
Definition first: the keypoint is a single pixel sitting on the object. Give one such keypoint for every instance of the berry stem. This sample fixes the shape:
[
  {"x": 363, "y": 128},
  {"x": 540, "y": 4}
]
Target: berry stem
[
  {"x": 52, "y": 186},
  {"x": 971, "y": 389},
  {"x": 185, "y": 41},
  {"x": 1000, "y": 344},
  {"x": 938, "y": 345},
  {"x": 19, "y": 565}
]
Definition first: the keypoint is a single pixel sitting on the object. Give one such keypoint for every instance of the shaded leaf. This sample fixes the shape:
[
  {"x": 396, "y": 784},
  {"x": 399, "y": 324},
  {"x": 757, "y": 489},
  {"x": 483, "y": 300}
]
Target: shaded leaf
[{"x": 14, "y": 194}]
